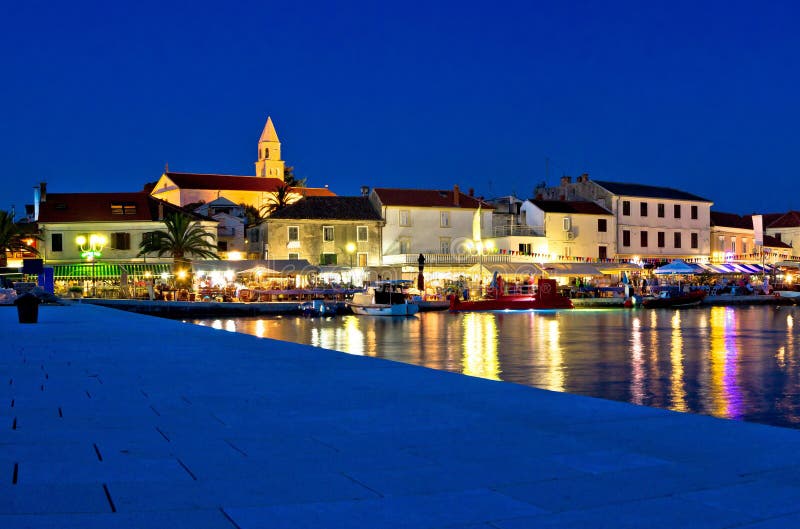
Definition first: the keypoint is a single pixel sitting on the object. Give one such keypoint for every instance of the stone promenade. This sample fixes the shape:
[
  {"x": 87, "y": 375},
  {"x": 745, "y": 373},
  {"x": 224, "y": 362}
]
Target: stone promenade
[{"x": 117, "y": 420}]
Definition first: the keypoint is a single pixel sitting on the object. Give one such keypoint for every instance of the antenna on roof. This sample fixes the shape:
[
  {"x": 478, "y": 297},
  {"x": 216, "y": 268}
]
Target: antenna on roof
[{"x": 166, "y": 167}]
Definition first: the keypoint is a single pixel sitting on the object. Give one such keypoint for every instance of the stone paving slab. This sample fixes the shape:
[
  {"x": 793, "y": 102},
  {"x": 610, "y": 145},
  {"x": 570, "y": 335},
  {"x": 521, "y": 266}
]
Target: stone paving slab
[{"x": 115, "y": 419}]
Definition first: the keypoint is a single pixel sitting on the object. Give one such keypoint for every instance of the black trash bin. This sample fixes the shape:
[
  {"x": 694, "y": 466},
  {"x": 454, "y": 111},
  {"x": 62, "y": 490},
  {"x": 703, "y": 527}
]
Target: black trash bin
[{"x": 27, "y": 308}]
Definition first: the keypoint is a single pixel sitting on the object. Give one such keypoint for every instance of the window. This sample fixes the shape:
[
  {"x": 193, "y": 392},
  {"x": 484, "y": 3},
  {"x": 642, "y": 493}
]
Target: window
[
  {"x": 294, "y": 233},
  {"x": 602, "y": 225},
  {"x": 694, "y": 240},
  {"x": 525, "y": 248},
  {"x": 254, "y": 234},
  {"x": 643, "y": 209},
  {"x": 405, "y": 217},
  {"x": 626, "y": 207},
  {"x": 222, "y": 246},
  {"x": 661, "y": 211},
  {"x": 744, "y": 247},
  {"x": 123, "y": 208},
  {"x": 602, "y": 252},
  {"x": 327, "y": 233},
  {"x": 661, "y": 239},
  {"x": 694, "y": 212},
  {"x": 677, "y": 239},
  {"x": 294, "y": 256},
  {"x": 733, "y": 246},
  {"x": 362, "y": 233},
  {"x": 266, "y": 152},
  {"x": 361, "y": 259},
  {"x": 677, "y": 211},
  {"x": 57, "y": 242},
  {"x": 405, "y": 245},
  {"x": 327, "y": 259},
  {"x": 444, "y": 219},
  {"x": 777, "y": 236},
  {"x": 121, "y": 241},
  {"x": 444, "y": 245},
  {"x": 566, "y": 223},
  {"x": 149, "y": 237},
  {"x": 643, "y": 239},
  {"x": 626, "y": 237}
]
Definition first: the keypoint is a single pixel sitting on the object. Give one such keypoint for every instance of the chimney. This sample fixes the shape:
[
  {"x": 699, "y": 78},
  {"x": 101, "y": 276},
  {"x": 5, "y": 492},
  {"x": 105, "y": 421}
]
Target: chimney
[
  {"x": 565, "y": 180},
  {"x": 584, "y": 177},
  {"x": 456, "y": 195},
  {"x": 364, "y": 191},
  {"x": 43, "y": 192}
]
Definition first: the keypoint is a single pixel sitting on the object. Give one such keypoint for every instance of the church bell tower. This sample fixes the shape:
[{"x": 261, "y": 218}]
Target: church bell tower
[{"x": 269, "y": 163}]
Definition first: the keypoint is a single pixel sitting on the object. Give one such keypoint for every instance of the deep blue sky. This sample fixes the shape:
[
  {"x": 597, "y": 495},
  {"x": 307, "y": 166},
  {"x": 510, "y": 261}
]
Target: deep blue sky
[{"x": 702, "y": 96}]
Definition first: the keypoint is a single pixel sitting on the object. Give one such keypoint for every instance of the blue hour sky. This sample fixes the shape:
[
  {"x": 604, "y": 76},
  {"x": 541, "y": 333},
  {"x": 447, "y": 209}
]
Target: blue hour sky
[{"x": 701, "y": 96}]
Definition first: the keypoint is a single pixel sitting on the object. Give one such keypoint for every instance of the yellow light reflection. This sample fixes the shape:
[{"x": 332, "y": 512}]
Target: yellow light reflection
[
  {"x": 353, "y": 337},
  {"x": 723, "y": 390},
  {"x": 677, "y": 389},
  {"x": 548, "y": 337},
  {"x": 261, "y": 330},
  {"x": 637, "y": 364},
  {"x": 479, "y": 358},
  {"x": 230, "y": 325}
]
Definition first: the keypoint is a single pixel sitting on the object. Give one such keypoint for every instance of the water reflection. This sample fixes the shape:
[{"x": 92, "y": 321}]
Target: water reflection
[
  {"x": 479, "y": 347},
  {"x": 738, "y": 363}
]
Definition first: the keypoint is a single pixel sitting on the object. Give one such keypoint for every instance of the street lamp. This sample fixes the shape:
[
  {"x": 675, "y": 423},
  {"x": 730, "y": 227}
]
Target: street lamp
[
  {"x": 350, "y": 248},
  {"x": 91, "y": 249}
]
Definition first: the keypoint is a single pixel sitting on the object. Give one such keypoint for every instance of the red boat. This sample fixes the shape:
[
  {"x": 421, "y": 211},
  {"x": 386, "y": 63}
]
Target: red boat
[{"x": 546, "y": 298}]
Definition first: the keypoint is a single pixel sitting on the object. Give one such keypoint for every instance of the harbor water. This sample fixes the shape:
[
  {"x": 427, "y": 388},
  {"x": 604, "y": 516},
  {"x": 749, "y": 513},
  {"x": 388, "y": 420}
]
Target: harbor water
[{"x": 733, "y": 362}]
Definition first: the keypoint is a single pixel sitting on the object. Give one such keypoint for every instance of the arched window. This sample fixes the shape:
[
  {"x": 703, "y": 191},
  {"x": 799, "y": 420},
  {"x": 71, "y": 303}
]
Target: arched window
[{"x": 266, "y": 152}]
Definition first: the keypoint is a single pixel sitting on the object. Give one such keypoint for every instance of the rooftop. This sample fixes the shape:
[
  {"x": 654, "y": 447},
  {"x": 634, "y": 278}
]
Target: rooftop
[
  {"x": 107, "y": 207},
  {"x": 239, "y": 183},
  {"x": 641, "y": 190},
  {"x": 575, "y": 206},
  {"x": 329, "y": 208},
  {"x": 428, "y": 198}
]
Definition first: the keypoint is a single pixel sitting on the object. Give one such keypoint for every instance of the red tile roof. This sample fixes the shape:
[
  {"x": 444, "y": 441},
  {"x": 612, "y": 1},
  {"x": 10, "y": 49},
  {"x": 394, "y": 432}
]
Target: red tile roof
[
  {"x": 239, "y": 183},
  {"x": 431, "y": 198},
  {"x": 789, "y": 220},
  {"x": 95, "y": 207}
]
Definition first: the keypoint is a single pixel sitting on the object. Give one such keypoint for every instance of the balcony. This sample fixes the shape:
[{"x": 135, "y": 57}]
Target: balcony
[
  {"x": 518, "y": 230},
  {"x": 444, "y": 259},
  {"x": 226, "y": 232}
]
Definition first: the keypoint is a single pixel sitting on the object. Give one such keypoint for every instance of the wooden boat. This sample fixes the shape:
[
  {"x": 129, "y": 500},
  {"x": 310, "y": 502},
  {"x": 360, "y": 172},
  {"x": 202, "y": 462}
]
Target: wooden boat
[
  {"x": 547, "y": 297},
  {"x": 671, "y": 299},
  {"x": 385, "y": 298}
]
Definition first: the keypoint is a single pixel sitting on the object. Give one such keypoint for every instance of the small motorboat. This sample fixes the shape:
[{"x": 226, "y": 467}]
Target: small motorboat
[
  {"x": 547, "y": 297},
  {"x": 675, "y": 299},
  {"x": 316, "y": 308},
  {"x": 385, "y": 298}
]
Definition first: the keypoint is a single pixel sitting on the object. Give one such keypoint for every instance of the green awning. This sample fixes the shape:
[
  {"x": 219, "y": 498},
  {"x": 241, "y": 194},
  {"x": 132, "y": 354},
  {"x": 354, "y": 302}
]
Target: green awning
[{"x": 107, "y": 270}]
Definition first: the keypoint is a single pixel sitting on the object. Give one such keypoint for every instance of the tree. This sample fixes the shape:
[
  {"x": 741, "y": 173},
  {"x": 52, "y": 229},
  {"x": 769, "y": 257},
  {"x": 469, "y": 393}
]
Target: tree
[
  {"x": 182, "y": 239},
  {"x": 289, "y": 178},
  {"x": 279, "y": 199},
  {"x": 12, "y": 238},
  {"x": 252, "y": 215}
]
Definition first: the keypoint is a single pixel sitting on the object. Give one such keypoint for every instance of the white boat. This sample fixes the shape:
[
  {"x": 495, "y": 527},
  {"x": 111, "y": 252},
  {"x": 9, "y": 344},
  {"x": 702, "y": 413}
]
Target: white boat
[
  {"x": 787, "y": 294},
  {"x": 384, "y": 298}
]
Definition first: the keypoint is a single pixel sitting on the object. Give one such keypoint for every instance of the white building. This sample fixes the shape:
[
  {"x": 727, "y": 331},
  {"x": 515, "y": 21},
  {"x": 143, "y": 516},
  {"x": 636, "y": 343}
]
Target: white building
[
  {"x": 569, "y": 229},
  {"x": 652, "y": 222}
]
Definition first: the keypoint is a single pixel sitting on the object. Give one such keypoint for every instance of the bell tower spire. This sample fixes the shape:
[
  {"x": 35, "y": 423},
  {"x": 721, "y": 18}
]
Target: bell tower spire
[{"x": 269, "y": 163}]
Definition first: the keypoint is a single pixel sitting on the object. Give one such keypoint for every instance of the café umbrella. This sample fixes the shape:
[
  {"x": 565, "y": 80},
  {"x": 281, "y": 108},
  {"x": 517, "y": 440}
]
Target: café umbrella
[{"x": 678, "y": 267}]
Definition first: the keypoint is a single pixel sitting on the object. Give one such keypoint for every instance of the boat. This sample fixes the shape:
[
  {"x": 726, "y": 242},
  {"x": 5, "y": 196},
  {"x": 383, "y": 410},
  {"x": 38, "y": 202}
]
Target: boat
[
  {"x": 674, "y": 299},
  {"x": 317, "y": 307},
  {"x": 546, "y": 297},
  {"x": 385, "y": 298}
]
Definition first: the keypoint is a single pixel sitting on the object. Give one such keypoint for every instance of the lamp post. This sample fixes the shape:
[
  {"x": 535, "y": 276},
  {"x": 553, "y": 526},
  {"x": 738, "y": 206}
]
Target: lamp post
[
  {"x": 91, "y": 249},
  {"x": 350, "y": 248}
]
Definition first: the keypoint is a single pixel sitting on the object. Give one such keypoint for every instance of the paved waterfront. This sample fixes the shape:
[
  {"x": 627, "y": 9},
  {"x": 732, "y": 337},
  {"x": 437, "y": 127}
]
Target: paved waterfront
[{"x": 113, "y": 419}]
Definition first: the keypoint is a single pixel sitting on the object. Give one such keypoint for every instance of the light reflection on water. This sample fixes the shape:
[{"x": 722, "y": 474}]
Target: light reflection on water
[{"x": 739, "y": 363}]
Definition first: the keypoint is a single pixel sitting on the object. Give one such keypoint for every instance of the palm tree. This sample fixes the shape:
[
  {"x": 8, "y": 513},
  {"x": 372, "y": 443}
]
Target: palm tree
[
  {"x": 12, "y": 238},
  {"x": 279, "y": 199},
  {"x": 182, "y": 240},
  {"x": 290, "y": 180}
]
